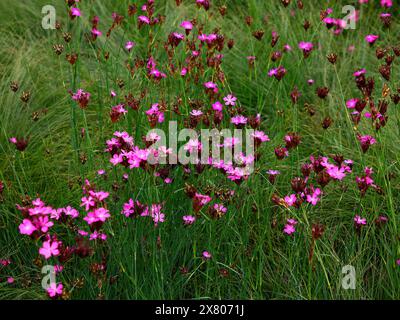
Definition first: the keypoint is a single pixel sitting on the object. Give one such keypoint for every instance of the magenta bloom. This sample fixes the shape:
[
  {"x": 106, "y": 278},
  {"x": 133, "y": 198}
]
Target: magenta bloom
[
  {"x": 217, "y": 106},
  {"x": 230, "y": 100},
  {"x": 129, "y": 45},
  {"x": 206, "y": 255},
  {"x": 239, "y": 120},
  {"x": 366, "y": 141},
  {"x": 49, "y": 249},
  {"x": 359, "y": 73},
  {"x": 96, "y": 33},
  {"x": 289, "y": 228},
  {"x": 143, "y": 20},
  {"x": 54, "y": 290},
  {"x": 306, "y": 46},
  {"x": 188, "y": 220},
  {"x": 187, "y": 25},
  {"x": 371, "y": 38},
  {"x": 359, "y": 221},
  {"x": 386, "y": 3},
  {"x": 27, "y": 227},
  {"x": 75, "y": 12}
]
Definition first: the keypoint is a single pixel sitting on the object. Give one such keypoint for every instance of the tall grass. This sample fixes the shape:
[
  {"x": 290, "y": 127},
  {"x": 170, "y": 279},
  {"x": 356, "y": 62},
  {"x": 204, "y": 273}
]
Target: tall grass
[{"x": 262, "y": 262}]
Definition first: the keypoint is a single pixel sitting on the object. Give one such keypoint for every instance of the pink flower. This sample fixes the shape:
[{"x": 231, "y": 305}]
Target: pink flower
[
  {"x": 359, "y": 221},
  {"x": 306, "y": 46},
  {"x": 314, "y": 197},
  {"x": 188, "y": 220},
  {"x": 44, "y": 224},
  {"x": 206, "y": 255},
  {"x": 290, "y": 226},
  {"x": 75, "y": 12},
  {"x": 129, "y": 45},
  {"x": 290, "y": 200},
  {"x": 156, "y": 213},
  {"x": 26, "y": 227},
  {"x": 88, "y": 203},
  {"x": 96, "y": 33},
  {"x": 335, "y": 172},
  {"x": 371, "y": 38},
  {"x": 230, "y": 100},
  {"x": 187, "y": 25},
  {"x": 386, "y": 3},
  {"x": 10, "y": 280},
  {"x": 359, "y": 72},
  {"x": 217, "y": 106},
  {"x": 49, "y": 249},
  {"x": 351, "y": 104},
  {"x": 102, "y": 214},
  {"x": 239, "y": 120},
  {"x": 54, "y": 290},
  {"x": 143, "y": 20},
  {"x": 366, "y": 141}
]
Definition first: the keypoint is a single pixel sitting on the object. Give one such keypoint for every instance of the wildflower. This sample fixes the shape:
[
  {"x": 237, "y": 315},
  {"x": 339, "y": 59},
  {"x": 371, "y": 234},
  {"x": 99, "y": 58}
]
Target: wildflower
[
  {"x": 230, "y": 100},
  {"x": 371, "y": 38},
  {"x": 10, "y": 280},
  {"x": 292, "y": 140},
  {"x": 188, "y": 220},
  {"x": 239, "y": 121},
  {"x": 359, "y": 222},
  {"x": 129, "y": 45},
  {"x": 96, "y": 33},
  {"x": 217, "y": 210},
  {"x": 199, "y": 201},
  {"x": 272, "y": 174},
  {"x": 386, "y": 3},
  {"x": 27, "y": 227},
  {"x": 211, "y": 86},
  {"x": 71, "y": 212},
  {"x": 206, "y": 255},
  {"x": 175, "y": 38},
  {"x": 88, "y": 203},
  {"x": 259, "y": 137},
  {"x": 49, "y": 249},
  {"x": 289, "y": 228},
  {"x": 55, "y": 290},
  {"x": 314, "y": 197},
  {"x": 156, "y": 213},
  {"x": 366, "y": 141},
  {"x": 187, "y": 25},
  {"x": 306, "y": 47},
  {"x": 154, "y": 115},
  {"x": 295, "y": 95},
  {"x": 20, "y": 143},
  {"x": 75, "y": 12},
  {"x": 142, "y": 20},
  {"x": 290, "y": 200},
  {"x": 82, "y": 98},
  {"x": 335, "y": 172},
  {"x": 251, "y": 60},
  {"x": 278, "y": 73}
]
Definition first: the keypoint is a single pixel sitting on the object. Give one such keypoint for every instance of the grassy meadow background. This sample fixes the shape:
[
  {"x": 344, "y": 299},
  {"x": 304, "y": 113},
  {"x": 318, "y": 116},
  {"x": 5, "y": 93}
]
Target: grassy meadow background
[{"x": 261, "y": 262}]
